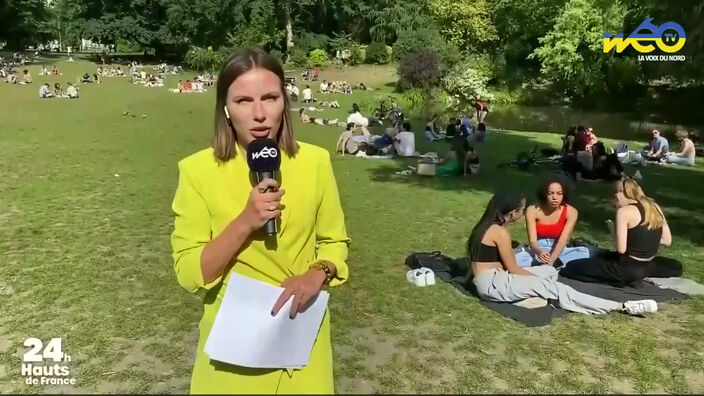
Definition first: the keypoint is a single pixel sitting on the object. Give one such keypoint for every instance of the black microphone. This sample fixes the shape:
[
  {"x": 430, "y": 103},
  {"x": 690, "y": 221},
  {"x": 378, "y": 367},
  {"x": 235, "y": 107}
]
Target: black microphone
[{"x": 264, "y": 159}]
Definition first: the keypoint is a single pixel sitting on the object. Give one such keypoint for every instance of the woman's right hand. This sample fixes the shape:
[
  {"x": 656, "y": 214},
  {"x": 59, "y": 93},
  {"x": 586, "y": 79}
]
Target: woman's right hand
[
  {"x": 543, "y": 256},
  {"x": 264, "y": 204}
]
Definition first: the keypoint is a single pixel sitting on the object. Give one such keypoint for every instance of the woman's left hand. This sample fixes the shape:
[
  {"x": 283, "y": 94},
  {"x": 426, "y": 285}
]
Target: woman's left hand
[{"x": 303, "y": 288}]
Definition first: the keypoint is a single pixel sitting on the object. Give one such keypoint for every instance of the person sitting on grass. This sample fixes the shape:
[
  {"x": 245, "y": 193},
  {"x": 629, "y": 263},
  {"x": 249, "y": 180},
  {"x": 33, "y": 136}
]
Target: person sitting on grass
[
  {"x": 307, "y": 94},
  {"x": 497, "y": 277},
  {"x": 604, "y": 166},
  {"x": 452, "y": 128},
  {"x": 460, "y": 160},
  {"x": 430, "y": 129},
  {"x": 358, "y": 119},
  {"x": 657, "y": 149},
  {"x": 640, "y": 229},
  {"x": 11, "y": 78},
  {"x": 324, "y": 87},
  {"x": 86, "y": 79},
  {"x": 45, "y": 92},
  {"x": 58, "y": 92},
  {"x": 26, "y": 77},
  {"x": 550, "y": 224},
  {"x": 305, "y": 119},
  {"x": 405, "y": 141},
  {"x": 592, "y": 139},
  {"x": 687, "y": 151},
  {"x": 71, "y": 91},
  {"x": 55, "y": 71}
]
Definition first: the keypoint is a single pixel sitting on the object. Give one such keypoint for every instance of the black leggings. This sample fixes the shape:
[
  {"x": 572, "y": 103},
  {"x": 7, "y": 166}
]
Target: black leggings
[{"x": 619, "y": 269}]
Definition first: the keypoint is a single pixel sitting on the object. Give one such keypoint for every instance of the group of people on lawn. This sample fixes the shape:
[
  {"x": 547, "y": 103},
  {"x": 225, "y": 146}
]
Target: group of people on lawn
[{"x": 501, "y": 273}]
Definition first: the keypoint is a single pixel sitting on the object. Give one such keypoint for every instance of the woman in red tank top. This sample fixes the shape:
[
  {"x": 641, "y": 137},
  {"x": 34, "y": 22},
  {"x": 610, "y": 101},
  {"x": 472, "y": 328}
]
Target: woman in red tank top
[{"x": 550, "y": 224}]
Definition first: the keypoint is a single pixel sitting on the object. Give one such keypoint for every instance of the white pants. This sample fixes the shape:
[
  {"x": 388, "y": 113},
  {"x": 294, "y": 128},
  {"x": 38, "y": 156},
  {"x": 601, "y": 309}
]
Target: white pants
[
  {"x": 501, "y": 286},
  {"x": 675, "y": 159}
]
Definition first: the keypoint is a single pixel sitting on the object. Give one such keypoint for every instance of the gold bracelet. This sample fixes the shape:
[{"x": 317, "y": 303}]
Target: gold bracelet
[{"x": 325, "y": 266}]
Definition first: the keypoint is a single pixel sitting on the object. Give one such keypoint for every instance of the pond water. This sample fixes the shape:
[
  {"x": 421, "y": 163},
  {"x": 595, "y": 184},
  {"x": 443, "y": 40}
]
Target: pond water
[{"x": 557, "y": 119}]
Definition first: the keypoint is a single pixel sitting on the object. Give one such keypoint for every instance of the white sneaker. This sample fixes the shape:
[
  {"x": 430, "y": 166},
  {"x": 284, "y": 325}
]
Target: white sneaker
[
  {"x": 640, "y": 307},
  {"x": 416, "y": 277},
  {"x": 429, "y": 276}
]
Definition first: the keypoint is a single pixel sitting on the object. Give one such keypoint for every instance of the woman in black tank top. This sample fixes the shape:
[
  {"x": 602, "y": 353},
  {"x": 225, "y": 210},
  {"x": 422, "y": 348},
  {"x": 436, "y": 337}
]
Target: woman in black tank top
[
  {"x": 640, "y": 229},
  {"x": 498, "y": 278}
]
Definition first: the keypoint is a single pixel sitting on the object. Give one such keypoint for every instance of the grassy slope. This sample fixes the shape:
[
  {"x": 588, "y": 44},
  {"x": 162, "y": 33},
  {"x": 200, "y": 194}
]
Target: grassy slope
[{"x": 86, "y": 257}]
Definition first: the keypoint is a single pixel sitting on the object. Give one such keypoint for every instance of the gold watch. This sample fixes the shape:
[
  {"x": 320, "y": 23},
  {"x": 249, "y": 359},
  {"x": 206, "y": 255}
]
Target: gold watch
[{"x": 323, "y": 265}]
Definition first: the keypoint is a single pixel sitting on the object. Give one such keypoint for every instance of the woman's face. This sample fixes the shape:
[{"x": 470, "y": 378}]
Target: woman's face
[
  {"x": 256, "y": 105},
  {"x": 554, "y": 195},
  {"x": 618, "y": 199},
  {"x": 517, "y": 214}
]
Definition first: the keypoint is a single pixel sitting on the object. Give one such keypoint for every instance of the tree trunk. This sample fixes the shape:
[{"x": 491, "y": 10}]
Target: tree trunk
[{"x": 289, "y": 30}]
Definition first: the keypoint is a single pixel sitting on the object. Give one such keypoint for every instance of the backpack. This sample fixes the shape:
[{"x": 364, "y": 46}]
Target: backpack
[{"x": 444, "y": 266}]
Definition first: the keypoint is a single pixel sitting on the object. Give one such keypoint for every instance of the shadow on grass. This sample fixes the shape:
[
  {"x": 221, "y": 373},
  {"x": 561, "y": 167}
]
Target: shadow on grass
[{"x": 680, "y": 191}]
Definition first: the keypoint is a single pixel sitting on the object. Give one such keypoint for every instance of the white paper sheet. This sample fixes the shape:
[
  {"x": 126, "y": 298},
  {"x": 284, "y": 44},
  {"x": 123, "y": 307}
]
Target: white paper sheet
[{"x": 245, "y": 334}]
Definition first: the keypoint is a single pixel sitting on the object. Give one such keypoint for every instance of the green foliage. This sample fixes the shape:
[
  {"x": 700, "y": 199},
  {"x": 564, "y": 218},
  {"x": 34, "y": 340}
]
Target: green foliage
[
  {"x": 299, "y": 57},
  {"x": 423, "y": 39},
  {"x": 318, "y": 57},
  {"x": 377, "y": 53},
  {"x": 342, "y": 43},
  {"x": 467, "y": 24},
  {"x": 571, "y": 55},
  {"x": 23, "y": 22},
  {"x": 278, "y": 55},
  {"x": 204, "y": 59},
  {"x": 467, "y": 80},
  {"x": 310, "y": 41},
  {"x": 419, "y": 70},
  {"x": 126, "y": 46}
]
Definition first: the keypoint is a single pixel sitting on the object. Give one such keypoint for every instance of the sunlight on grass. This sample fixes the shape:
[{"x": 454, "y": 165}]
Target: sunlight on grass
[{"x": 86, "y": 216}]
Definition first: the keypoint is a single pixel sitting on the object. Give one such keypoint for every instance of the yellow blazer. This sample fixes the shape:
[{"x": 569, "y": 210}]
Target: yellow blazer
[{"x": 208, "y": 197}]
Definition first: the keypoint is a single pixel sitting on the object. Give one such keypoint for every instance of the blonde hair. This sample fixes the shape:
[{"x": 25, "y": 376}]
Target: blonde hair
[
  {"x": 225, "y": 138},
  {"x": 654, "y": 218},
  {"x": 682, "y": 134}
]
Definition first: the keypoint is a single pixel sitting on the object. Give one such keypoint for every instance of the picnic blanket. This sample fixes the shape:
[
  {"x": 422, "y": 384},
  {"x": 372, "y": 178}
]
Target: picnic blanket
[{"x": 543, "y": 316}]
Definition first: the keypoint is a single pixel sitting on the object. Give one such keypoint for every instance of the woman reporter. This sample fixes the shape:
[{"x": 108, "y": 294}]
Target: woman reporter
[{"x": 218, "y": 215}]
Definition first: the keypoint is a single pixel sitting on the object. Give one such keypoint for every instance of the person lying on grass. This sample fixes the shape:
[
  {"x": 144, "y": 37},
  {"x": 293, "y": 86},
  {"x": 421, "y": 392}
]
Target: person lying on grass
[
  {"x": 640, "y": 229},
  {"x": 550, "y": 223},
  {"x": 305, "y": 119},
  {"x": 498, "y": 278}
]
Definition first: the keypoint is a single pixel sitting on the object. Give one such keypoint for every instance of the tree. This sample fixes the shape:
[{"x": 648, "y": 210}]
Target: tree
[
  {"x": 571, "y": 54},
  {"x": 24, "y": 22},
  {"x": 466, "y": 23}
]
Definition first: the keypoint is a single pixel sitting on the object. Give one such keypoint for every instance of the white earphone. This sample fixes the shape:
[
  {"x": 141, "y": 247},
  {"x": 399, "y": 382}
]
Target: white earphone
[{"x": 227, "y": 113}]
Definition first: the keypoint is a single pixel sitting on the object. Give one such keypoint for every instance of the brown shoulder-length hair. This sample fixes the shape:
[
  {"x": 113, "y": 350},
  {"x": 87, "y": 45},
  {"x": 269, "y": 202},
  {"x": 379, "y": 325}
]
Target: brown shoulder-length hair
[{"x": 242, "y": 61}]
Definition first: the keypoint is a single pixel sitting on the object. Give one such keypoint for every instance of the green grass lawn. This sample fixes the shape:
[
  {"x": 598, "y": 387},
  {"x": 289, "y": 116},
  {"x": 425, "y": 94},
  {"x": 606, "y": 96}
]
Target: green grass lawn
[{"x": 85, "y": 220}]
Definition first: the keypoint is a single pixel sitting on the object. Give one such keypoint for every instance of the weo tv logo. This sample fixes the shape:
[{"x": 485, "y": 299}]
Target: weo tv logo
[
  {"x": 266, "y": 152},
  {"x": 668, "y": 37}
]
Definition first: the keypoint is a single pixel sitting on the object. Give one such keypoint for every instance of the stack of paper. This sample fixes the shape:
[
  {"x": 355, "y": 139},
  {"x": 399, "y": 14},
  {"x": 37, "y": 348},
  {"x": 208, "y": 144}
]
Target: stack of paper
[{"x": 245, "y": 334}]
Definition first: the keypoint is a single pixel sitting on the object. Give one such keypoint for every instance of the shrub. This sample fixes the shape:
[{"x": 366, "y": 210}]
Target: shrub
[
  {"x": 424, "y": 39},
  {"x": 278, "y": 55},
  {"x": 377, "y": 54},
  {"x": 419, "y": 70},
  {"x": 355, "y": 55},
  {"x": 467, "y": 80},
  {"x": 124, "y": 46},
  {"x": 299, "y": 57},
  {"x": 310, "y": 41},
  {"x": 318, "y": 57},
  {"x": 204, "y": 59}
]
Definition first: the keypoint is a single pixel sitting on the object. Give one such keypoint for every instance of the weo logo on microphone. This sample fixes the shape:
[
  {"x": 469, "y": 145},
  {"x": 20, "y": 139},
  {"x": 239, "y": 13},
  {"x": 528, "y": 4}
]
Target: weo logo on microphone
[{"x": 266, "y": 152}]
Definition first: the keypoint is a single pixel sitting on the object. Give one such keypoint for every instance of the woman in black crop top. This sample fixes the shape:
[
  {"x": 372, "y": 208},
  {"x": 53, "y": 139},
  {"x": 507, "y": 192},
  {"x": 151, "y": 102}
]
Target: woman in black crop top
[
  {"x": 498, "y": 278},
  {"x": 640, "y": 229}
]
